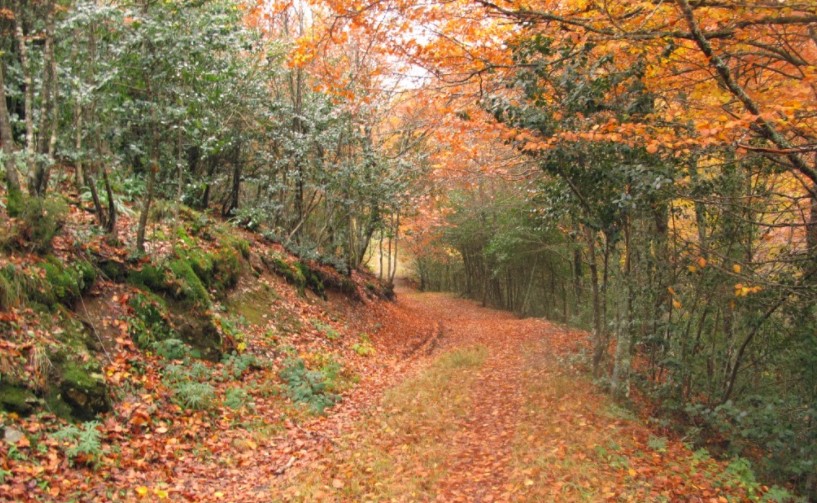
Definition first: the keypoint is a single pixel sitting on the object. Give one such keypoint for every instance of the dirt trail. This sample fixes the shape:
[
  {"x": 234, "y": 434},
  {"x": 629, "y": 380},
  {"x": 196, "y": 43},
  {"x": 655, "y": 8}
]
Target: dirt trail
[
  {"x": 481, "y": 446},
  {"x": 531, "y": 427}
]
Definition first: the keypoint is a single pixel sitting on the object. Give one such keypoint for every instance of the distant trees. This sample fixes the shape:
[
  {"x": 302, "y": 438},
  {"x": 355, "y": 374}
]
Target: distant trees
[{"x": 197, "y": 103}]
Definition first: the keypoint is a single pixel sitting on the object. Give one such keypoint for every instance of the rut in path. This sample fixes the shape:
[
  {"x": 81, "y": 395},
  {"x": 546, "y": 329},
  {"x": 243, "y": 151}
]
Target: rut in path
[{"x": 520, "y": 423}]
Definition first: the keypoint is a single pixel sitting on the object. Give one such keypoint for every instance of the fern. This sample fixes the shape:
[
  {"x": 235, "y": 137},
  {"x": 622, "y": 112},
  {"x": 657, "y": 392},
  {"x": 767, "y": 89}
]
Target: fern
[
  {"x": 307, "y": 386},
  {"x": 236, "y": 398},
  {"x": 81, "y": 442},
  {"x": 194, "y": 395}
]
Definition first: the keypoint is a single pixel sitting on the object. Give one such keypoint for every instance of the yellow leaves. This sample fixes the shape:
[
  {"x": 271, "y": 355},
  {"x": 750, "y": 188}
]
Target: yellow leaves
[
  {"x": 736, "y": 268},
  {"x": 676, "y": 304},
  {"x": 700, "y": 263},
  {"x": 305, "y": 51},
  {"x": 742, "y": 290},
  {"x": 142, "y": 492}
]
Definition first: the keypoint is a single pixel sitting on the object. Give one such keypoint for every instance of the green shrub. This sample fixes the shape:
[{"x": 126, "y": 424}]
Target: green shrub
[
  {"x": 39, "y": 222},
  {"x": 172, "y": 349},
  {"x": 81, "y": 442},
  {"x": 193, "y": 395},
  {"x": 326, "y": 330},
  {"x": 150, "y": 323},
  {"x": 290, "y": 272},
  {"x": 307, "y": 387},
  {"x": 364, "y": 347},
  {"x": 65, "y": 283},
  {"x": 312, "y": 280},
  {"x": 188, "y": 285},
  {"x": 235, "y": 365},
  {"x": 236, "y": 398}
]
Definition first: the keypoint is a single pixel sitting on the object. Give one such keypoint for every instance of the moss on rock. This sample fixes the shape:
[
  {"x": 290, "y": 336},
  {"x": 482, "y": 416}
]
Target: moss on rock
[
  {"x": 15, "y": 398},
  {"x": 83, "y": 389}
]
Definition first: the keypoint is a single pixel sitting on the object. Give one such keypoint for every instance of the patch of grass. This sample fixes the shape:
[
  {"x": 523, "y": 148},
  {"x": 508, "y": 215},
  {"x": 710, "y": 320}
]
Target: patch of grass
[
  {"x": 12, "y": 288},
  {"x": 658, "y": 444},
  {"x": 236, "y": 365}
]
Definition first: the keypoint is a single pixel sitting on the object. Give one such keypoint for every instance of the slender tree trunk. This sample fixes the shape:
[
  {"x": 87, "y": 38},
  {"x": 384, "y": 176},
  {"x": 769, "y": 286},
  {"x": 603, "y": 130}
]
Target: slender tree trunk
[
  {"x": 620, "y": 380},
  {"x": 48, "y": 111},
  {"x": 15, "y": 193},
  {"x": 28, "y": 83},
  {"x": 395, "y": 233},
  {"x": 148, "y": 199},
  {"x": 599, "y": 338},
  {"x": 100, "y": 212},
  {"x": 235, "y": 190},
  {"x": 211, "y": 170},
  {"x": 110, "y": 221},
  {"x": 380, "y": 247},
  {"x": 78, "y": 166}
]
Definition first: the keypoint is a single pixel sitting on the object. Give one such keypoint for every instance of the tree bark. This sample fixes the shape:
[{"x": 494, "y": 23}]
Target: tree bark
[
  {"x": 143, "y": 216},
  {"x": 15, "y": 194},
  {"x": 48, "y": 111},
  {"x": 28, "y": 83}
]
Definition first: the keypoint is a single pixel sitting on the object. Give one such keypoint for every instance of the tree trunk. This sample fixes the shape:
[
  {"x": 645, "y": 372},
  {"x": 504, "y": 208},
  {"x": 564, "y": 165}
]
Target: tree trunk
[
  {"x": 15, "y": 193},
  {"x": 620, "y": 380},
  {"x": 235, "y": 189},
  {"x": 110, "y": 221},
  {"x": 48, "y": 112},
  {"x": 143, "y": 216},
  {"x": 599, "y": 346},
  {"x": 395, "y": 233},
  {"x": 28, "y": 83}
]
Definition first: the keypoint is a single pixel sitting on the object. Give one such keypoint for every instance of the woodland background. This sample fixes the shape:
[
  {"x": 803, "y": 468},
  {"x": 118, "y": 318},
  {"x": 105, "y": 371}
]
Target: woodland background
[{"x": 642, "y": 169}]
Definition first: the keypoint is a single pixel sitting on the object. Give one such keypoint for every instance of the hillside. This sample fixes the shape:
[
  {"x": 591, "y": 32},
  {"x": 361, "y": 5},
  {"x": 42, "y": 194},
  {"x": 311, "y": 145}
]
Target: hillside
[{"x": 113, "y": 365}]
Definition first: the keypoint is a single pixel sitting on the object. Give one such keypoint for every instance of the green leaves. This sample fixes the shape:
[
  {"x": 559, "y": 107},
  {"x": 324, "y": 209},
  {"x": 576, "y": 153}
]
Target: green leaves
[{"x": 307, "y": 386}]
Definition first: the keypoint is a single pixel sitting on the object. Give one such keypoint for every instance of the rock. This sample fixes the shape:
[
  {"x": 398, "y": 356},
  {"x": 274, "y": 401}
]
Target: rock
[
  {"x": 17, "y": 399},
  {"x": 12, "y": 436},
  {"x": 198, "y": 330},
  {"x": 84, "y": 392}
]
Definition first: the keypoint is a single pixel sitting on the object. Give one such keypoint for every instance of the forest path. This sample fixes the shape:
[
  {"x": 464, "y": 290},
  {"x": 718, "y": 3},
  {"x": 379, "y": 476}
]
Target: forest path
[{"x": 501, "y": 411}]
